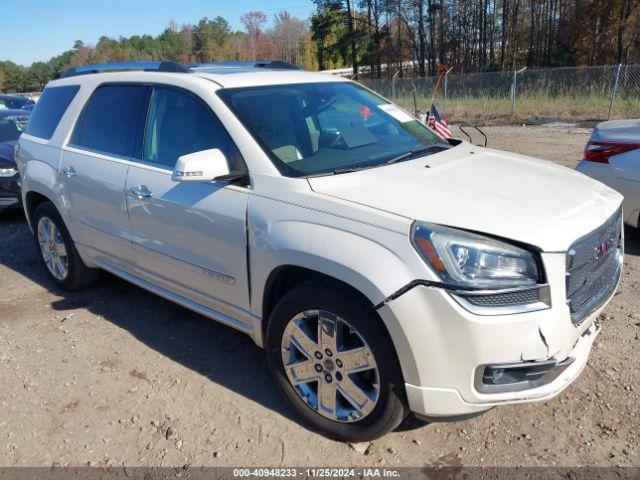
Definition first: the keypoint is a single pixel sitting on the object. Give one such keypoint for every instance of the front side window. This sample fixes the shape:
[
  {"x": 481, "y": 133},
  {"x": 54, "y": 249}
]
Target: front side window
[
  {"x": 179, "y": 123},
  {"x": 323, "y": 128},
  {"x": 110, "y": 120},
  {"x": 49, "y": 110}
]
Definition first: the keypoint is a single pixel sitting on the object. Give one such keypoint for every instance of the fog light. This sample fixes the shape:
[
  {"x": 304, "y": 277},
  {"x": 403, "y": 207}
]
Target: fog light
[
  {"x": 497, "y": 373},
  {"x": 513, "y": 377}
]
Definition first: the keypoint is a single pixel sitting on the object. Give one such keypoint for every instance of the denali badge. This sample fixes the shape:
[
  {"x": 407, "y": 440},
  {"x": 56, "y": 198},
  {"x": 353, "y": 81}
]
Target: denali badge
[{"x": 221, "y": 277}]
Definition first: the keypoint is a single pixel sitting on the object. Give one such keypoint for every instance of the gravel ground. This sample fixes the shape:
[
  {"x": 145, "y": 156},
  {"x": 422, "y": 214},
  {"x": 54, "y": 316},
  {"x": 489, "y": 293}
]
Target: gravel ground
[{"x": 114, "y": 375}]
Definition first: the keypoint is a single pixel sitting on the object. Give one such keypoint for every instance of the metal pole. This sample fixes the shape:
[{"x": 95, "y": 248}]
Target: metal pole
[
  {"x": 614, "y": 90},
  {"x": 513, "y": 94},
  {"x": 393, "y": 85},
  {"x": 415, "y": 101},
  {"x": 513, "y": 90},
  {"x": 446, "y": 76}
]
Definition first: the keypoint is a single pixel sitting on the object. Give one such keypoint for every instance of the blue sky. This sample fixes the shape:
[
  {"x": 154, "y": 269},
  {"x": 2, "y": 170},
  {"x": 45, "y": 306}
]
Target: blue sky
[{"x": 39, "y": 29}]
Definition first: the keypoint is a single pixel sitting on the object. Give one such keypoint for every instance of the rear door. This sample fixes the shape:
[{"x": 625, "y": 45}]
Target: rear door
[
  {"x": 94, "y": 169},
  {"x": 189, "y": 238}
]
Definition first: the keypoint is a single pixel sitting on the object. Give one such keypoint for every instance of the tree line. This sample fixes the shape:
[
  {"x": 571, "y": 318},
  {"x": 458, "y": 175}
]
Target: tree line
[
  {"x": 412, "y": 37},
  {"x": 474, "y": 35},
  {"x": 289, "y": 38}
]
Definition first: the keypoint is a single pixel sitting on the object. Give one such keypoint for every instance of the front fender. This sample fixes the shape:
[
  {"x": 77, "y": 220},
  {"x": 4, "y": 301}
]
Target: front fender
[{"x": 369, "y": 258}]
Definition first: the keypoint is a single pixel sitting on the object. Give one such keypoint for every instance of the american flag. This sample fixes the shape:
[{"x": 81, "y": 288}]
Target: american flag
[{"x": 438, "y": 124}]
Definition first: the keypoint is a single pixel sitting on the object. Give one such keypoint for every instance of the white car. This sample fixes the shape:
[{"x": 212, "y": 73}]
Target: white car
[
  {"x": 612, "y": 156},
  {"x": 384, "y": 269}
]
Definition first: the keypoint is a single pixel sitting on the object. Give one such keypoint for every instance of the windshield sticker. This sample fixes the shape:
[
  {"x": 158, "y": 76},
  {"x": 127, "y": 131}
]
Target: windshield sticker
[{"x": 396, "y": 113}]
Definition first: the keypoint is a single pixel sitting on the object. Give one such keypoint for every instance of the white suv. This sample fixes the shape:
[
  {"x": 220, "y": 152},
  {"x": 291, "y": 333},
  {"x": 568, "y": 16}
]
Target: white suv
[{"x": 383, "y": 268}]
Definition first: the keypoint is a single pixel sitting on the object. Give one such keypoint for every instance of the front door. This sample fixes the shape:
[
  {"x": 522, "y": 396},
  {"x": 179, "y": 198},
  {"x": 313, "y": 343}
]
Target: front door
[{"x": 189, "y": 238}]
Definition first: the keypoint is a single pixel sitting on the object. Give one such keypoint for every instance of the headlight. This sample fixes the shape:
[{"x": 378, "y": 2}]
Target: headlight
[
  {"x": 465, "y": 259},
  {"x": 8, "y": 172}
]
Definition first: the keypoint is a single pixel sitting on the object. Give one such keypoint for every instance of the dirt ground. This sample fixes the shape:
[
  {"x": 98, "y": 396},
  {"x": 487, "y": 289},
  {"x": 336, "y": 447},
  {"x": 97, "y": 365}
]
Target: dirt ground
[{"x": 114, "y": 375}]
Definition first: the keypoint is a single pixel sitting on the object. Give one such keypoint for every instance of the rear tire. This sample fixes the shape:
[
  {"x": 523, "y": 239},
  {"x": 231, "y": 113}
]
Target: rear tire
[
  {"x": 57, "y": 251},
  {"x": 384, "y": 403}
]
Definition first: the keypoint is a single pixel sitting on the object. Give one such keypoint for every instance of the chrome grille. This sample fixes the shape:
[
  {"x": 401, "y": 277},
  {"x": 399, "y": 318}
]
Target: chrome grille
[{"x": 593, "y": 268}]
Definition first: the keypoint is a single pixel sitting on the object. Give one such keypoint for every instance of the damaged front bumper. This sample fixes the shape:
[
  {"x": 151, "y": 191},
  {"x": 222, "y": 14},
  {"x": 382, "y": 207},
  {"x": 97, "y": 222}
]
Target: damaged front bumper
[{"x": 452, "y": 359}]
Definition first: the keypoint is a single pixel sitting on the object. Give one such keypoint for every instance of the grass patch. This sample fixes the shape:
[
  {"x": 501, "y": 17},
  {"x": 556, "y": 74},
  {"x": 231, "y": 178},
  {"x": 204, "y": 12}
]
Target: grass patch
[{"x": 532, "y": 107}]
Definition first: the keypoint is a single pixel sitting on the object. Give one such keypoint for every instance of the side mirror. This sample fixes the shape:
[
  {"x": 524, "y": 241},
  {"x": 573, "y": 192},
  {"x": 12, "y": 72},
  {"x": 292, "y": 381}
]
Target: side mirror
[{"x": 203, "y": 166}]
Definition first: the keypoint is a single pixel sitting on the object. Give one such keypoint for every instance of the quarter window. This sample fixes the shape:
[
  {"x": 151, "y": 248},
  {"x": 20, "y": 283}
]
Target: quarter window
[
  {"x": 110, "y": 120},
  {"x": 179, "y": 123},
  {"x": 49, "y": 110}
]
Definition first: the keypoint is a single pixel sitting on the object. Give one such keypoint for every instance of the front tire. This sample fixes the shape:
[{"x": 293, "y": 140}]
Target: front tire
[
  {"x": 334, "y": 362},
  {"x": 57, "y": 251}
]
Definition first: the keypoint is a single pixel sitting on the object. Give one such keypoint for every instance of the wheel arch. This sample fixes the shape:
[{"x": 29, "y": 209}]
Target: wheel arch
[
  {"x": 35, "y": 193},
  {"x": 39, "y": 184},
  {"x": 31, "y": 201},
  {"x": 284, "y": 277}
]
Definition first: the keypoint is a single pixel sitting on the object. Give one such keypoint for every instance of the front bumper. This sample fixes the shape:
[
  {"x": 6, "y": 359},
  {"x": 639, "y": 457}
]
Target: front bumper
[{"x": 441, "y": 346}]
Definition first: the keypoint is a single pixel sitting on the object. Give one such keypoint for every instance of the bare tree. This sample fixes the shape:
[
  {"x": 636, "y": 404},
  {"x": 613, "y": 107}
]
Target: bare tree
[
  {"x": 288, "y": 34},
  {"x": 253, "y": 23}
]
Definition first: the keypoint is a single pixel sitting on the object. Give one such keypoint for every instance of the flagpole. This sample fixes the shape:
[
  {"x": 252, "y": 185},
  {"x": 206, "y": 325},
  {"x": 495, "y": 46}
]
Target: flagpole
[{"x": 443, "y": 71}]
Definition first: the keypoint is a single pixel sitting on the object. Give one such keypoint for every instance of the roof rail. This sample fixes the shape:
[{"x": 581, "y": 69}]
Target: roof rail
[
  {"x": 126, "y": 66},
  {"x": 278, "y": 64},
  {"x": 274, "y": 64}
]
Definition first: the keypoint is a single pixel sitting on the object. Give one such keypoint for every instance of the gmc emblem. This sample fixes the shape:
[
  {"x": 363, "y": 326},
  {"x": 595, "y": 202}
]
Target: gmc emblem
[{"x": 601, "y": 250}]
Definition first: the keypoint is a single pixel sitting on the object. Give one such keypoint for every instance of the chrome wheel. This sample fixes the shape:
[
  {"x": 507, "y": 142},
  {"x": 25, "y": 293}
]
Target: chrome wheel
[
  {"x": 54, "y": 251},
  {"x": 330, "y": 366}
]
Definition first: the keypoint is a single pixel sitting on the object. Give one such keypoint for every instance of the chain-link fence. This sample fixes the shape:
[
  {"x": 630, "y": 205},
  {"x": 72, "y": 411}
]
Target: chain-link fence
[{"x": 554, "y": 94}]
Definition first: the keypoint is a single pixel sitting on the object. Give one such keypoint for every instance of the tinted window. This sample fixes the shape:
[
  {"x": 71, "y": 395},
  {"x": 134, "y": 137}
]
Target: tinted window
[
  {"x": 180, "y": 123},
  {"x": 49, "y": 110},
  {"x": 110, "y": 120}
]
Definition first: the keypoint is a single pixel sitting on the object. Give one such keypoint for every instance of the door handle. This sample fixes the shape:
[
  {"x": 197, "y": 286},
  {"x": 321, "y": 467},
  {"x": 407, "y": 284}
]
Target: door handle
[
  {"x": 141, "y": 192},
  {"x": 70, "y": 172}
]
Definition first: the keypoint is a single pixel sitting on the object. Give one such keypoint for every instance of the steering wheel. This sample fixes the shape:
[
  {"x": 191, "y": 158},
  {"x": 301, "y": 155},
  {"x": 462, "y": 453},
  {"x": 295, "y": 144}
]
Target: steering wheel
[{"x": 324, "y": 106}]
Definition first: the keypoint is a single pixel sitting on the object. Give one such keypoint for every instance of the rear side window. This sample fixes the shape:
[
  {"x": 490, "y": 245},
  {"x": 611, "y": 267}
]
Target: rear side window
[
  {"x": 110, "y": 119},
  {"x": 49, "y": 110}
]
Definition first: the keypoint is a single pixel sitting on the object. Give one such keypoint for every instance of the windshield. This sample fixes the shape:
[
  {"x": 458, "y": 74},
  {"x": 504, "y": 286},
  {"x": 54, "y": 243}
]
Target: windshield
[
  {"x": 13, "y": 103},
  {"x": 322, "y": 128}
]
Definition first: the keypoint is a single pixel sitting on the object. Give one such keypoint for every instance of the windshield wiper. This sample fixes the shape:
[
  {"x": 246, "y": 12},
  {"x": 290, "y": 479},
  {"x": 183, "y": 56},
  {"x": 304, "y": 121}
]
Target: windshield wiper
[
  {"x": 352, "y": 169},
  {"x": 417, "y": 151},
  {"x": 399, "y": 158}
]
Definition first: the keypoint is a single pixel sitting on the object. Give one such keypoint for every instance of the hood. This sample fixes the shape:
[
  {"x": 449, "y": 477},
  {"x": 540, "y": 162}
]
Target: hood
[
  {"x": 6, "y": 154},
  {"x": 489, "y": 191}
]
